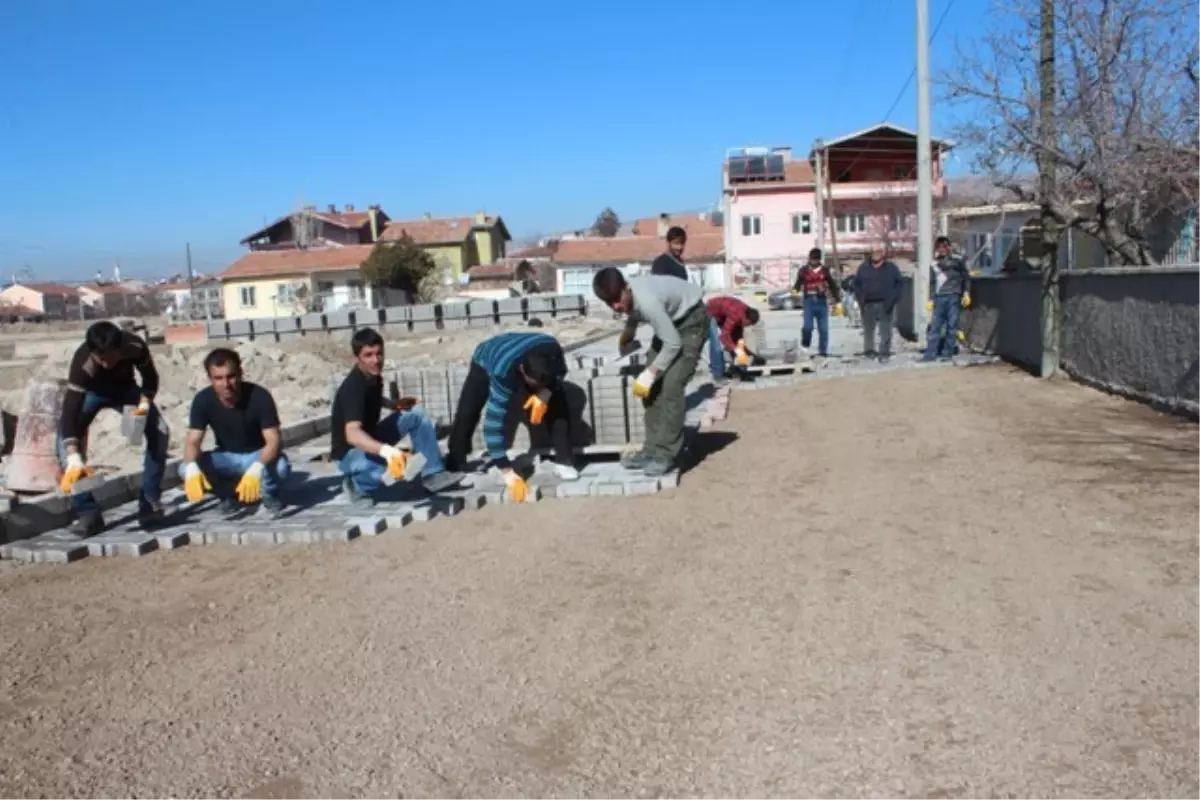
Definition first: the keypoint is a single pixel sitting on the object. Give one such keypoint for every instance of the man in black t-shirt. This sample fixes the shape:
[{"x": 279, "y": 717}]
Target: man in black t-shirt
[
  {"x": 249, "y": 448},
  {"x": 363, "y": 445},
  {"x": 101, "y": 376},
  {"x": 671, "y": 262}
]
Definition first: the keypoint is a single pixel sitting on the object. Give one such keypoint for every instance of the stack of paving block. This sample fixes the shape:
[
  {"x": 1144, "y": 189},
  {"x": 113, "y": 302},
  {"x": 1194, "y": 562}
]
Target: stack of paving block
[
  {"x": 775, "y": 336},
  {"x": 415, "y": 319},
  {"x": 437, "y": 389}
]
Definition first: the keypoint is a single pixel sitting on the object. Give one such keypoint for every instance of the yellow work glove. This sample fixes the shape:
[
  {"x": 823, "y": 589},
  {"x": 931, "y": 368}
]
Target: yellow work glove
[
  {"x": 249, "y": 488},
  {"x": 518, "y": 490},
  {"x": 194, "y": 483},
  {"x": 643, "y": 384},
  {"x": 839, "y": 310},
  {"x": 406, "y": 404},
  {"x": 74, "y": 472},
  {"x": 966, "y": 301},
  {"x": 962, "y": 337},
  {"x": 143, "y": 408},
  {"x": 536, "y": 405},
  {"x": 928, "y": 306},
  {"x": 795, "y": 292},
  {"x": 396, "y": 460},
  {"x": 742, "y": 358}
]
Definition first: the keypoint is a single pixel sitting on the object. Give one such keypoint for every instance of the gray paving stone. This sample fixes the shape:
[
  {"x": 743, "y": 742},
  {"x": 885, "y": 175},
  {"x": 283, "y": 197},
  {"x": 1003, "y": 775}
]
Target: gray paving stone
[
  {"x": 369, "y": 526},
  {"x": 580, "y": 488},
  {"x": 669, "y": 481},
  {"x": 643, "y": 486},
  {"x": 260, "y": 537},
  {"x": 344, "y": 534},
  {"x": 171, "y": 539},
  {"x": 609, "y": 489}
]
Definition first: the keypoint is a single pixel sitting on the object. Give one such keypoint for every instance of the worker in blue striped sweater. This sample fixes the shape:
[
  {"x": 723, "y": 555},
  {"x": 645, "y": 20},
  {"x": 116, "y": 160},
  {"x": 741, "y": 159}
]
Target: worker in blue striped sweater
[{"x": 513, "y": 368}]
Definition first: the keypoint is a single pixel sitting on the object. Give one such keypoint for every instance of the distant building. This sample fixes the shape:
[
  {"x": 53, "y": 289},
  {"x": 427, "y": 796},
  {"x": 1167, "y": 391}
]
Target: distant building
[
  {"x": 54, "y": 300},
  {"x": 577, "y": 260},
  {"x": 857, "y": 191},
  {"x": 201, "y": 300}
]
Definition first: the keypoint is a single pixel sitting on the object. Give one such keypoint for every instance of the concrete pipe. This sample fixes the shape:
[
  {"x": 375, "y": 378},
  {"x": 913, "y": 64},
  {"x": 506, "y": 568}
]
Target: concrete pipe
[{"x": 33, "y": 465}]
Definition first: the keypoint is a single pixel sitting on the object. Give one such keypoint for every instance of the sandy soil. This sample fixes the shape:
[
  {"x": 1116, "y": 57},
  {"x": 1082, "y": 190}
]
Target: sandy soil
[
  {"x": 937, "y": 583},
  {"x": 297, "y": 372}
]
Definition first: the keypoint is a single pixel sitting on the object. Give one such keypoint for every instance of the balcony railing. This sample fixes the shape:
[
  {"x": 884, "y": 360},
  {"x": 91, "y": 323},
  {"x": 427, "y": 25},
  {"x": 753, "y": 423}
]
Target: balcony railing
[{"x": 874, "y": 189}]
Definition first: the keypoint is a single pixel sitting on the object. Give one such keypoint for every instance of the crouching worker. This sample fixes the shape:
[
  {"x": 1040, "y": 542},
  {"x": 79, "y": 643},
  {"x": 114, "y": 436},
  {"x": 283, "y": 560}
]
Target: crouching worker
[
  {"x": 729, "y": 317},
  {"x": 101, "y": 376},
  {"x": 248, "y": 464},
  {"x": 363, "y": 445},
  {"x": 675, "y": 310},
  {"x": 525, "y": 369}
]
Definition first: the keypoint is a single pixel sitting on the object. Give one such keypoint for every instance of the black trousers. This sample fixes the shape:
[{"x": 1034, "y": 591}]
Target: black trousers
[{"x": 472, "y": 402}]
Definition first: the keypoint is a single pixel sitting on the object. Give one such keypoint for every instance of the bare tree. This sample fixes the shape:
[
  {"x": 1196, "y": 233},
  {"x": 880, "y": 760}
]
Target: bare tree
[{"x": 1125, "y": 154}]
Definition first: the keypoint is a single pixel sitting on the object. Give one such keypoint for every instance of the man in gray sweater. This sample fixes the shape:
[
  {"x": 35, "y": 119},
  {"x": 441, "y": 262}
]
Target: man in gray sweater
[
  {"x": 949, "y": 290},
  {"x": 675, "y": 310}
]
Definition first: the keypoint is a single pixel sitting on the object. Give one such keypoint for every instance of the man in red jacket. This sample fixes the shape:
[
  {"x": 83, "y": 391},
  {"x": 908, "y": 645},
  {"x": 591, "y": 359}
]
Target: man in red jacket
[
  {"x": 817, "y": 285},
  {"x": 728, "y": 318}
]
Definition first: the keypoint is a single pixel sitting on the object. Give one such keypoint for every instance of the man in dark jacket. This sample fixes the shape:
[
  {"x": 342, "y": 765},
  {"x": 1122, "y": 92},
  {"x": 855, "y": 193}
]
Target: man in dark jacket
[
  {"x": 816, "y": 284},
  {"x": 877, "y": 285},
  {"x": 949, "y": 290},
  {"x": 671, "y": 262}
]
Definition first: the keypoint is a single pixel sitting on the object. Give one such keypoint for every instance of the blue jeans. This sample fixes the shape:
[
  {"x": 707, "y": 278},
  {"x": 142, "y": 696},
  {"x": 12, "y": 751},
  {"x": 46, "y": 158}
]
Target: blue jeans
[
  {"x": 816, "y": 309},
  {"x": 943, "y": 328},
  {"x": 367, "y": 471},
  {"x": 154, "y": 463},
  {"x": 716, "y": 353},
  {"x": 224, "y": 469}
]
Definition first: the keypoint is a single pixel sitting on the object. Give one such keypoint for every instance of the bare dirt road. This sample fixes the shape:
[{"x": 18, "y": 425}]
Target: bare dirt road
[{"x": 938, "y": 583}]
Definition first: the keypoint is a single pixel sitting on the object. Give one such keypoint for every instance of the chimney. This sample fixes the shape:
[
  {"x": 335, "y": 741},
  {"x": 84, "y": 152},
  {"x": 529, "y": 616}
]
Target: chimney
[
  {"x": 480, "y": 218},
  {"x": 332, "y": 208},
  {"x": 664, "y": 222},
  {"x": 349, "y": 208},
  {"x": 373, "y": 215},
  {"x": 427, "y": 215}
]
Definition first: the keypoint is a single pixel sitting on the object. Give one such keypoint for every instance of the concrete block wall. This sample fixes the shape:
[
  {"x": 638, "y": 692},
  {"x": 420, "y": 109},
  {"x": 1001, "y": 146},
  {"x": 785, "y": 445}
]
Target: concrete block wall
[
  {"x": 1133, "y": 331},
  {"x": 411, "y": 319}
]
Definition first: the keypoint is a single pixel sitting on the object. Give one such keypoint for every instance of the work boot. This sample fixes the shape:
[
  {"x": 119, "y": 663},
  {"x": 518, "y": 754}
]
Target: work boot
[
  {"x": 656, "y": 468},
  {"x": 635, "y": 461},
  {"x": 87, "y": 523},
  {"x": 150, "y": 514},
  {"x": 356, "y": 498},
  {"x": 441, "y": 481},
  {"x": 272, "y": 507},
  {"x": 228, "y": 507}
]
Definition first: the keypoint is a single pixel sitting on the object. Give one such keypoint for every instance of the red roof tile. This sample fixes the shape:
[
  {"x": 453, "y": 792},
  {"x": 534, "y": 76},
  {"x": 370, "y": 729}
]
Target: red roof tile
[
  {"x": 538, "y": 251},
  {"x": 451, "y": 230},
  {"x": 692, "y": 223},
  {"x": 491, "y": 271},
  {"x": 702, "y": 248},
  {"x": 267, "y": 263},
  {"x": 51, "y": 288},
  {"x": 108, "y": 288}
]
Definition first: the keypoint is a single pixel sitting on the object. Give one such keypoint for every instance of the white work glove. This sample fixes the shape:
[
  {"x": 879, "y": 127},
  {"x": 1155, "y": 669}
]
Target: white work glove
[{"x": 644, "y": 383}]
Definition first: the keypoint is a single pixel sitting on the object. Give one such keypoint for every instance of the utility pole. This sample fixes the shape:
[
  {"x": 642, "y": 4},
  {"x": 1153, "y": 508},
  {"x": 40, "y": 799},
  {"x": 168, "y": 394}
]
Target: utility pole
[
  {"x": 820, "y": 196},
  {"x": 924, "y": 175},
  {"x": 191, "y": 283},
  {"x": 1048, "y": 186},
  {"x": 827, "y": 212}
]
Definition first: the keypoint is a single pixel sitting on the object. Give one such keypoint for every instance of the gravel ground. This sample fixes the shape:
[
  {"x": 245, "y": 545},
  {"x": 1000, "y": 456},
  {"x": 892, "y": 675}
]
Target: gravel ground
[{"x": 935, "y": 583}]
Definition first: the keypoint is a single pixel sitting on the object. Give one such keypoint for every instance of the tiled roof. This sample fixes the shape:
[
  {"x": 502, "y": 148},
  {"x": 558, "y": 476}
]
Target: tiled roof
[
  {"x": 182, "y": 286},
  {"x": 451, "y": 230},
  {"x": 702, "y": 248},
  {"x": 351, "y": 220},
  {"x": 692, "y": 223},
  {"x": 266, "y": 263},
  {"x": 490, "y": 271},
  {"x": 108, "y": 288},
  {"x": 51, "y": 288},
  {"x": 537, "y": 251}
]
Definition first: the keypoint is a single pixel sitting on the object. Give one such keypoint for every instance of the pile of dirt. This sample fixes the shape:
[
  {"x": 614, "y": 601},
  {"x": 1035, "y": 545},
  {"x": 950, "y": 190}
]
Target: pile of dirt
[{"x": 297, "y": 372}]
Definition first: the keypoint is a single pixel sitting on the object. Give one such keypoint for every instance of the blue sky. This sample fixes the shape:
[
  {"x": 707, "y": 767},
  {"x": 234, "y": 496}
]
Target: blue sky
[{"x": 125, "y": 135}]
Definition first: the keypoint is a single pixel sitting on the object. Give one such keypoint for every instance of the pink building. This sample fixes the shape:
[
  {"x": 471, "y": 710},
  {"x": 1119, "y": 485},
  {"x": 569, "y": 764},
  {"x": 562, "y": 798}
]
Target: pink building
[{"x": 774, "y": 211}]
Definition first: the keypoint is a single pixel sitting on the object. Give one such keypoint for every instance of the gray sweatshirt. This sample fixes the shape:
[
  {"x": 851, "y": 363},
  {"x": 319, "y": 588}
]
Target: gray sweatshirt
[{"x": 660, "y": 301}]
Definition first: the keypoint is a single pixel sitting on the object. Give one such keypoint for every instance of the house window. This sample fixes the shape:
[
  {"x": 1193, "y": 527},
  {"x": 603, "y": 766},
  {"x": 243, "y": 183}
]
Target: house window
[
  {"x": 752, "y": 226},
  {"x": 356, "y": 290},
  {"x": 247, "y": 297},
  {"x": 801, "y": 223},
  {"x": 897, "y": 222},
  {"x": 285, "y": 293},
  {"x": 851, "y": 223},
  {"x": 901, "y": 172}
]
